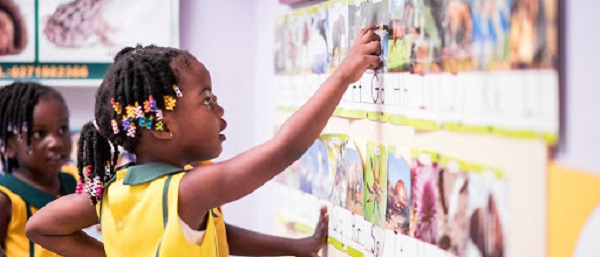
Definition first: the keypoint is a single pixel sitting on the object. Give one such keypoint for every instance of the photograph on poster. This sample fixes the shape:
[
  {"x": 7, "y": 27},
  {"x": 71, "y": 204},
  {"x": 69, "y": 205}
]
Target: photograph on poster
[
  {"x": 400, "y": 40},
  {"x": 491, "y": 34},
  {"x": 279, "y": 47},
  {"x": 320, "y": 162},
  {"x": 356, "y": 186},
  {"x": 375, "y": 177},
  {"x": 457, "y": 34},
  {"x": 424, "y": 225},
  {"x": 17, "y": 23},
  {"x": 452, "y": 206},
  {"x": 398, "y": 195},
  {"x": 338, "y": 172},
  {"x": 533, "y": 34},
  {"x": 338, "y": 24},
  {"x": 319, "y": 46},
  {"x": 94, "y": 31},
  {"x": 487, "y": 214}
]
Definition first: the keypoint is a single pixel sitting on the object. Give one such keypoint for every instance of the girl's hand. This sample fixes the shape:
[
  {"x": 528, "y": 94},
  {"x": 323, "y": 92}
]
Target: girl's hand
[
  {"x": 310, "y": 246},
  {"x": 363, "y": 55}
]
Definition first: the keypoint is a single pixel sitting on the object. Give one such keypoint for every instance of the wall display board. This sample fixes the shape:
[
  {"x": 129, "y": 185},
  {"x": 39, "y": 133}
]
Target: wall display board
[
  {"x": 452, "y": 132},
  {"x": 72, "y": 42},
  {"x": 469, "y": 66}
]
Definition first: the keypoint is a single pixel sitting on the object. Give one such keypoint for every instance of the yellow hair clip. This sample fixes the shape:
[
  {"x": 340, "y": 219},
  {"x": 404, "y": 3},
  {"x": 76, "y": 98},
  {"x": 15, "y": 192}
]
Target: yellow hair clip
[{"x": 170, "y": 102}]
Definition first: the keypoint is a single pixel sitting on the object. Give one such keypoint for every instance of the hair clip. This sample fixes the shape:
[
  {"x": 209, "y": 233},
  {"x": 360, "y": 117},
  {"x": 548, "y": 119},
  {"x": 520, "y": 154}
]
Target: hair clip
[
  {"x": 152, "y": 103},
  {"x": 28, "y": 150},
  {"x": 9, "y": 127},
  {"x": 159, "y": 115},
  {"x": 142, "y": 121},
  {"x": 170, "y": 102},
  {"x": 177, "y": 91},
  {"x": 146, "y": 106},
  {"x": 130, "y": 111},
  {"x": 125, "y": 123},
  {"x": 116, "y": 106},
  {"x": 131, "y": 130},
  {"x": 149, "y": 122},
  {"x": 115, "y": 126},
  {"x": 138, "y": 111},
  {"x": 24, "y": 127},
  {"x": 97, "y": 186},
  {"x": 159, "y": 125},
  {"x": 107, "y": 169},
  {"x": 20, "y": 137}
]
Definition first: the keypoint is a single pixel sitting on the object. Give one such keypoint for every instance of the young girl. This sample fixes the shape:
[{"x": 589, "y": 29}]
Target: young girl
[
  {"x": 34, "y": 143},
  {"x": 158, "y": 103}
]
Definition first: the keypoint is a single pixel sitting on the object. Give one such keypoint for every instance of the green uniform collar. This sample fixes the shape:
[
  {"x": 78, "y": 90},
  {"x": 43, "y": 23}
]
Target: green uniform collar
[
  {"x": 32, "y": 195},
  {"x": 140, "y": 174}
]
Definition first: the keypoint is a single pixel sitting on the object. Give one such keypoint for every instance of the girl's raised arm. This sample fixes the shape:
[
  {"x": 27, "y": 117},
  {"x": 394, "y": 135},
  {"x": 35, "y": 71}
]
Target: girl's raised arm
[
  {"x": 212, "y": 185},
  {"x": 58, "y": 227}
]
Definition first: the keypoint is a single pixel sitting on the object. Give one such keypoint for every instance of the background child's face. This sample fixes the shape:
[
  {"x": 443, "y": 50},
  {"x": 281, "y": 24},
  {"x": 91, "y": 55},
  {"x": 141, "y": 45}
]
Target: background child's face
[
  {"x": 197, "y": 120},
  {"x": 50, "y": 138}
]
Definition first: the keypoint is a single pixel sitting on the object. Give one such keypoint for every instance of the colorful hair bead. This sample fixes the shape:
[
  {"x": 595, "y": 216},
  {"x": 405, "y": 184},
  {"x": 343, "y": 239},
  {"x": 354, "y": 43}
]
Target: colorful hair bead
[
  {"x": 152, "y": 103},
  {"x": 177, "y": 91},
  {"x": 9, "y": 127},
  {"x": 115, "y": 126},
  {"x": 149, "y": 122},
  {"x": 24, "y": 127},
  {"x": 131, "y": 131},
  {"x": 159, "y": 125},
  {"x": 142, "y": 122},
  {"x": 125, "y": 122},
  {"x": 88, "y": 171},
  {"x": 170, "y": 102},
  {"x": 116, "y": 106},
  {"x": 146, "y": 106},
  {"x": 130, "y": 111},
  {"x": 79, "y": 188},
  {"x": 138, "y": 111},
  {"x": 159, "y": 115}
]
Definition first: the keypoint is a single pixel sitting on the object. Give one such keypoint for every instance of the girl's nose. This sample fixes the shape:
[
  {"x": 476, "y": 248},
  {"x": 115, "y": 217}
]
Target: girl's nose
[{"x": 55, "y": 141}]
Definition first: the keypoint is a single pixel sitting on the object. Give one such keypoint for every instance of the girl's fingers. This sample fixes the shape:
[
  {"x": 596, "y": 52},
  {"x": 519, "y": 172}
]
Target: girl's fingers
[
  {"x": 373, "y": 61},
  {"x": 372, "y": 48}
]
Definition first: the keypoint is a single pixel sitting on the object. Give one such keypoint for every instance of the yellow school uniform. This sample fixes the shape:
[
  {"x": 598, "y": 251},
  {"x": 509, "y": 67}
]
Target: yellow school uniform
[
  {"x": 139, "y": 217},
  {"x": 26, "y": 201}
]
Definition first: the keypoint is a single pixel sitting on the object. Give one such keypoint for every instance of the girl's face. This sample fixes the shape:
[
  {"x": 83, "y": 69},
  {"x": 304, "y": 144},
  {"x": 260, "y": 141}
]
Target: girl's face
[
  {"x": 50, "y": 138},
  {"x": 198, "y": 118}
]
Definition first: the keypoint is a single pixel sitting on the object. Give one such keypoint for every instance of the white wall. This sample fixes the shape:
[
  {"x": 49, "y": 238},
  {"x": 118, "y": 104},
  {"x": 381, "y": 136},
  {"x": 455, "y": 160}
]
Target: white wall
[{"x": 582, "y": 121}]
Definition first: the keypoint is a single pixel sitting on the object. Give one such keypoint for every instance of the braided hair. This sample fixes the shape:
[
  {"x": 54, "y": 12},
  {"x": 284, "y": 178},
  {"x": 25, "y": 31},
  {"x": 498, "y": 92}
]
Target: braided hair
[
  {"x": 17, "y": 102},
  {"x": 137, "y": 88}
]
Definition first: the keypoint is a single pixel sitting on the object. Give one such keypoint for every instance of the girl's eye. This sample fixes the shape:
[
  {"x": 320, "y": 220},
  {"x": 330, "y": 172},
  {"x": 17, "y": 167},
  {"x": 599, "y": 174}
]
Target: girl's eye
[
  {"x": 63, "y": 130},
  {"x": 208, "y": 101}
]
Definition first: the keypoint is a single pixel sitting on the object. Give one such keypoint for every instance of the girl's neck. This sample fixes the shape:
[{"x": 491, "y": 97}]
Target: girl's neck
[{"x": 47, "y": 183}]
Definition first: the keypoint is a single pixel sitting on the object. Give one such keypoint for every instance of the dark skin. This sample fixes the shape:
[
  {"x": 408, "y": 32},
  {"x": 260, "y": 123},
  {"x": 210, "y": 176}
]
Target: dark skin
[
  {"x": 50, "y": 148},
  {"x": 57, "y": 226}
]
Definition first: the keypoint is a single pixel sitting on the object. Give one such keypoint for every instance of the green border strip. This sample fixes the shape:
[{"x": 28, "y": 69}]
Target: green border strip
[
  {"x": 344, "y": 248},
  {"x": 550, "y": 138}
]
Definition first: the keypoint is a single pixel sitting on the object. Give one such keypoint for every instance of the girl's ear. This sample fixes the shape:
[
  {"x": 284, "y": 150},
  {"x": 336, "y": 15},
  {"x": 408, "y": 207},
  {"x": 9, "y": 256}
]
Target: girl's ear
[
  {"x": 164, "y": 134},
  {"x": 161, "y": 134}
]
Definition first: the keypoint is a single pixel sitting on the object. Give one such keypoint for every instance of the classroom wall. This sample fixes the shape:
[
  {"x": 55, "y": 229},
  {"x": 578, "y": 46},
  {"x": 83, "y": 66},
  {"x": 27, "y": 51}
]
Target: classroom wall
[
  {"x": 234, "y": 39},
  {"x": 582, "y": 123}
]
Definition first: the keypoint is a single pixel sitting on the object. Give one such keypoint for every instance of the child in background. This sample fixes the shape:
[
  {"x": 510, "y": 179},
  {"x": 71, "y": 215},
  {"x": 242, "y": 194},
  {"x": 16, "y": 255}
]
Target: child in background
[
  {"x": 34, "y": 143},
  {"x": 158, "y": 103}
]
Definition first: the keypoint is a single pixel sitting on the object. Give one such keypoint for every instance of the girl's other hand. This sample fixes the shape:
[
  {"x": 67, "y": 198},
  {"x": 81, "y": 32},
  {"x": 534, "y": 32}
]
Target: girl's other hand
[
  {"x": 310, "y": 246},
  {"x": 363, "y": 55}
]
